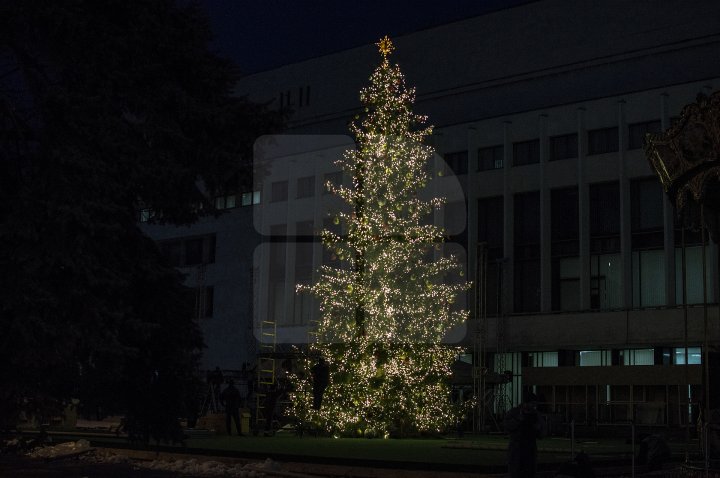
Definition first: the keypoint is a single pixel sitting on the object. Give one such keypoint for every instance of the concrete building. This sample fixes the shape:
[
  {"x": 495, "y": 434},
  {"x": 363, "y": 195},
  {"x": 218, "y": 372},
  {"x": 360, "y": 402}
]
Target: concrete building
[{"x": 541, "y": 111}]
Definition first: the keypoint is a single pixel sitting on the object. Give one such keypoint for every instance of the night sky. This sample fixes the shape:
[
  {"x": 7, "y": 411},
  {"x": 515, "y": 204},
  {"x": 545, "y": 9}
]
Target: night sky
[{"x": 260, "y": 35}]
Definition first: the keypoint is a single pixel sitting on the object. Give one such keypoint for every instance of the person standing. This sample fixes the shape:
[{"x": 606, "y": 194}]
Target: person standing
[
  {"x": 231, "y": 399},
  {"x": 524, "y": 425}
]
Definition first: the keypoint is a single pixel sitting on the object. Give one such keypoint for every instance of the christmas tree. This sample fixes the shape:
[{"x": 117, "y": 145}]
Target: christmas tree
[{"x": 388, "y": 302}]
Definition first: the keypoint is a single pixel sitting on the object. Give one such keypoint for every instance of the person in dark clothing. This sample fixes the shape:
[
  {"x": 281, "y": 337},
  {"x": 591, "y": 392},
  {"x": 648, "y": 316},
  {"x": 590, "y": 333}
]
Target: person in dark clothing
[
  {"x": 230, "y": 398},
  {"x": 321, "y": 380},
  {"x": 524, "y": 425}
]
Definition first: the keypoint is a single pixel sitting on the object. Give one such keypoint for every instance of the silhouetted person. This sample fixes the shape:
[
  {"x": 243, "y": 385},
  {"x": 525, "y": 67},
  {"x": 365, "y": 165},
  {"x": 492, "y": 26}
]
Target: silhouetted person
[
  {"x": 230, "y": 398},
  {"x": 524, "y": 426},
  {"x": 244, "y": 385},
  {"x": 321, "y": 380}
]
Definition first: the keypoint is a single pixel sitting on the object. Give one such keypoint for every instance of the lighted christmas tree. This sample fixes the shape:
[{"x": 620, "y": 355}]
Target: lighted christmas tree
[{"x": 389, "y": 301}]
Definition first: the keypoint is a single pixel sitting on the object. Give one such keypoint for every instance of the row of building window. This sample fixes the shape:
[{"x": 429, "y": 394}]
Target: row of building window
[
  {"x": 600, "y": 141},
  {"x": 189, "y": 251},
  {"x": 602, "y": 358},
  {"x": 305, "y": 186},
  {"x": 229, "y": 201}
]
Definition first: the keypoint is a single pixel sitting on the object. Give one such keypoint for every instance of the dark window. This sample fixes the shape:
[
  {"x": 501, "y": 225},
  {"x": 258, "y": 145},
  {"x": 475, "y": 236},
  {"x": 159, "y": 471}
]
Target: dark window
[
  {"x": 306, "y": 187},
  {"x": 457, "y": 162},
  {"x": 490, "y": 158},
  {"x": 526, "y": 152},
  {"x": 603, "y": 140},
  {"x": 189, "y": 252},
  {"x": 527, "y": 252},
  {"x": 300, "y": 96},
  {"x": 307, "y": 95},
  {"x": 490, "y": 222},
  {"x": 604, "y": 210},
  {"x": 646, "y": 213},
  {"x": 565, "y": 221},
  {"x": 565, "y": 247},
  {"x": 279, "y": 191},
  {"x": 333, "y": 178},
  {"x": 204, "y": 302},
  {"x": 637, "y": 132},
  {"x": 174, "y": 252},
  {"x": 490, "y": 231},
  {"x": 193, "y": 252},
  {"x": 563, "y": 147}
]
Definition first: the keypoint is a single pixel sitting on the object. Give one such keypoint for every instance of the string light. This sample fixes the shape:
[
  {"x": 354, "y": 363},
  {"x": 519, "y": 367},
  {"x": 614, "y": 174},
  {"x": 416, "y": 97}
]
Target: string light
[{"x": 386, "y": 308}]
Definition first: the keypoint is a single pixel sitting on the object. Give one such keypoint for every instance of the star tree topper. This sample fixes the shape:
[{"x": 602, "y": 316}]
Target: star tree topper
[{"x": 385, "y": 46}]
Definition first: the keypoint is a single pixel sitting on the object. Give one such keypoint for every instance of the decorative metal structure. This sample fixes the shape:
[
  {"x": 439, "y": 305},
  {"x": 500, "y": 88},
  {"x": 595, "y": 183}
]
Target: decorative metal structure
[{"x": 686, "y": 158}]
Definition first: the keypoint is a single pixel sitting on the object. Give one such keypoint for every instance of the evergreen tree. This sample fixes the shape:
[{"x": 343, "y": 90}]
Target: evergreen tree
[
  {"x": 106, "y": 108},
  {"x": 386, "y": 308}
]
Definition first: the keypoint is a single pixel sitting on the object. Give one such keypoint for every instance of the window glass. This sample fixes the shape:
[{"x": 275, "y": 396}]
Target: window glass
[
  {"x": 695, "y": 354},
  {"x": 306, "y": 187},
  {"x": 526, "y": 152},
  {"x": 693, "y": 274},
  {"x": 279, "y": 191},
  {"x": 595, "y": 358},
  {"x": 563, "y": 147},
  {"x": 490, "y": 158},
  {"x": 648, "y": 269},
  {"x": 605, "y": 273},
  {"x": 603, "y": 140},
  {"x": 457, "y": 162},
  {"x": 638, "y": 356},
  {"x": 637, "y": 132}
]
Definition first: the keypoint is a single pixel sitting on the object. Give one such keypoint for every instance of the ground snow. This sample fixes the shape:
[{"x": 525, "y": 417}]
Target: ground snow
[{"x": 57, "y": 451}]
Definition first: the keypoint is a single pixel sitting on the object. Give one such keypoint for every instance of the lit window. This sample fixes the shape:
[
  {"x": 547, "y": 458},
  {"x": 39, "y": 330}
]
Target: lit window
[{"x": 693, "y": 352}]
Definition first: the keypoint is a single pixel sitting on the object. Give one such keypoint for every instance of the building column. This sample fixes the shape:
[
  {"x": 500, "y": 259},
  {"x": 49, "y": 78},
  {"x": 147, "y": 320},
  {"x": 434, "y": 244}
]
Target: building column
[
  {"x": 471, "y": 210},
  {"x": 545, "y": 222},
  {"x": 668, "y": 220},
  {"x": 583, "y": 214},
  {"x": 625, "y": 214},
  {"x": 508, "y": 222}
]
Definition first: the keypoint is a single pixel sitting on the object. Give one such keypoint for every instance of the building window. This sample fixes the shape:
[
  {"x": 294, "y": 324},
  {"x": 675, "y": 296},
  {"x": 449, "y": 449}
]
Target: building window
[
  {"x": 332, "y": 180},
  {"x": 648, "y": 268},
  {"x": 543, "y": 359},
  {"x": 306, "y": 187},
  {"x": 564, "y": 249},
  {"x": 595, "y": 358},
  {"x": 204, "y": 299},
  {"x": 695, "y": 354},
  {"x": 605, "y": 275},
  {"x": 457, "y": 162},
  {"x": 189, "y": 252},
  {"x": 490, "y": 231},
  {"x": 693, "y": 275},
  {"x": 603, "y": 140},
  {"x": 648, "y": 256},
  {"x": 146, "y": 214},
  {"x": 526, "y": 289},
  {"x": 563, "y": 147},
  {"x": 637, "y": 132},
  {"x": 490, "y": 158},
  {"x": 250, "y": 198},
  {"x": 605, "y": 264},
  {"x": 226, "y": 202},
  {"x": 637, "y": 356},
  {"x": 526, "y": 152},
  {"x": 279, "y": 191}
]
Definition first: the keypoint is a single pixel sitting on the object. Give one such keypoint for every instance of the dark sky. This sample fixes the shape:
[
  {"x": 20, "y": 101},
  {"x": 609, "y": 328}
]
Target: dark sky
[{"x": 259, "y": 35}]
